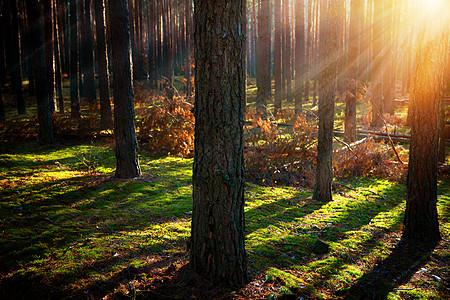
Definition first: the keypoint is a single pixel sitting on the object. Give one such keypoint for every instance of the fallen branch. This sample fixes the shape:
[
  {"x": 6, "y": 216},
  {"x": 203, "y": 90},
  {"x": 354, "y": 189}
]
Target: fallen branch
[{"x": 391, "y": 142}]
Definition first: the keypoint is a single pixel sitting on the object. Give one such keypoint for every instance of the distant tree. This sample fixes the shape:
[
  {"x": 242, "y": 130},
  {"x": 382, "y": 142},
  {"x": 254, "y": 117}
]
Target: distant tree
[
  {"x": 167, "y": 50},
  {"x": 377, "y": 64},
  {"x": 2, "y": 107},
  {"x": 353, "y": 64},
  {"x": 421, "y": 217},
  {"x": 48, "y": 51},
  {"x": 87, "y": 59},
  {"x": 74, "y": 65},
  {"x": 105, "y": 104},
  {"x": 217, "y": 234},
  {"x": 263, "y": 56},
  {"x": 300, "y": 58},
  {"x": 41, "y": 90},
  {"x": 287, "y": 51},
  {"x": 277, "y": 59},
  {"x": 58, "y": 54},
  {"x": 127, "y": 162},
  {"x": 13, "y": 56},
  {"x": 328, "y": 79},
  {"x": 188, "y": 48}
]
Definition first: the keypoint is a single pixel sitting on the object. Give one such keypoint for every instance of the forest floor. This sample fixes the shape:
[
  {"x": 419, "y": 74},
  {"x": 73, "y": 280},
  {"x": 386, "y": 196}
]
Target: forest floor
[{"x": 70, "y": 230}]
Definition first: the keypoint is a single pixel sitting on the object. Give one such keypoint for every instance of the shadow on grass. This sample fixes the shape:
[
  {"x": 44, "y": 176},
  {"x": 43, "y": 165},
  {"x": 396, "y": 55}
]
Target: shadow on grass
[{"x": 394, "y": 271}]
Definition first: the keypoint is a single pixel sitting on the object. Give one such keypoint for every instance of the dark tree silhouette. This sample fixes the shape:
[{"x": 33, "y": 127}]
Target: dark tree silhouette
[
  {"x": 74, "y": 65},
  {"x": 12, "y": 48},
  {"x": 105, "y": 105},
  {"x": 217, "y": 234},
  {"x": 42, "y": 95},
  {"x": 48, "y": 51},
  {"x": 124, "y": 118}
]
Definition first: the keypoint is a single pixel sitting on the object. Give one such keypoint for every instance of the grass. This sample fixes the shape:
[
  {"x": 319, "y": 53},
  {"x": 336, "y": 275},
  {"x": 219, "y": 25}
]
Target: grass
[{"x": 69, "y": 227}]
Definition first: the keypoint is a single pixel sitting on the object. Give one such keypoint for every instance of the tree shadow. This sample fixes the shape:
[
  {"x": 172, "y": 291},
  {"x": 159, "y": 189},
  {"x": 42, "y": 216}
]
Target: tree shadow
[{"x": 395, "y": 270}]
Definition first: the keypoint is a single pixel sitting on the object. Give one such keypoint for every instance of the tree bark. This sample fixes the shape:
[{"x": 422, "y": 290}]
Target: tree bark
[
  {"x": 329, "y": 57},
  {"x": 105, "y": 105},
  {"x": 378, "y": 68},
  {"x": 263, "y": 57},
  {"x": 277, "y": 57},
  {"x": 124, "y": 118},
  {"x": 13, "y": 53},
  {"x": 217, "y": 234},
  {"x": 353, "y": 66},
  {"x": 74, "y": 65},
  {"x": 42, "y": 95},
  {"x": 88, "y": 56},
  {"x": 188, "y": 48},
  {"x": 421, "y": 217},
  {"x": 48, "y": 51},
  {"x": 300, "y": 67}
]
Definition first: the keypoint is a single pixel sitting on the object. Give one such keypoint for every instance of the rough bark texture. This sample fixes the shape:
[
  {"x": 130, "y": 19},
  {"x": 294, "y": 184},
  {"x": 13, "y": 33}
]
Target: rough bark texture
[
  {"x": 329, "y": 56},
  {"x": 263, "y": 57},
  {"x": 42, "y": 95},
  {"x": 421, "y": 218},
  {"x": 105, "y": 105},
  {"x": 74, "y": 66},
  {"x": 124, "y": 118},
  {"x": 217, "y": 235},
  {"x": 13, "y": 52},
  {"x": 299, "y": 55},
  {"x": 353, "y": 56}
]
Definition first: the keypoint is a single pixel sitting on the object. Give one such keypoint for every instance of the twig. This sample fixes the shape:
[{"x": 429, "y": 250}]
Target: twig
[
  {"x": 391, "y": 142},
  {"x": 343, "y": 142}
]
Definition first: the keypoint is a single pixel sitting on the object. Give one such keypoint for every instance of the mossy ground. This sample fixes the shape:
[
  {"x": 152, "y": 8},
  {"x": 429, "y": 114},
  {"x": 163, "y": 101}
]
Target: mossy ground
[{"x": 70, "y": 229}]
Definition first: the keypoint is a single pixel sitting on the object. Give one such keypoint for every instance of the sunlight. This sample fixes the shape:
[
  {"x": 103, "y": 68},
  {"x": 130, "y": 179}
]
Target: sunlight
[{"x": 439, "y": 9}]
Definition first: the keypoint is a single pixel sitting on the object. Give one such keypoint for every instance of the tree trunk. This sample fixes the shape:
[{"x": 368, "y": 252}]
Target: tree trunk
[
  {"x": 277, "y": 58},
  {"x": 13, "y": 53},
  {"x": 74, "y": 65},
  {"x": 353, "y": 66},
  {"x": 300, "y": 67},
  {"x": 105, "y": 105},
  {"x": 124, "y": 118},
  {"x": 217, "y": 234},
  {"x": 188, "y": 48},
  {"x": 378, "y": 69},
  {"x": 329, "y": 57},
  {"x": 287, "y": 69},
  {"x": 421, "y": 217},
  {"x": 2, "y": 106},
  {"x": 88, "y": 56},
  {"x": 57, "y": 53},
  {"x": 48, "y": 51},
  {"x": 263, "y": 57},
  {"x": 42, "y": 95}
]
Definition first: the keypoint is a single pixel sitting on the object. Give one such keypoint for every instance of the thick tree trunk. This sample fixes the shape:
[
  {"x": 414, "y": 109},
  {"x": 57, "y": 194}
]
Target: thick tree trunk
[
  {"x": 329, "y": 56},
  {"x": 48, "y": 48},
  {"x": 42, "y": 95},
  {"x": 217, "y": 235},
  {"x": 105, "y": 105},
  {"x": 263, "y": 57},
  {"x": 421, "y": 218},
  {"x": 74, "y": 66},
  {"x": 353, "y": 64},
  {"x": 124, "y": 118},
  {"x": 300, "y": 67},
  {"x": 13, "y": 52}
]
